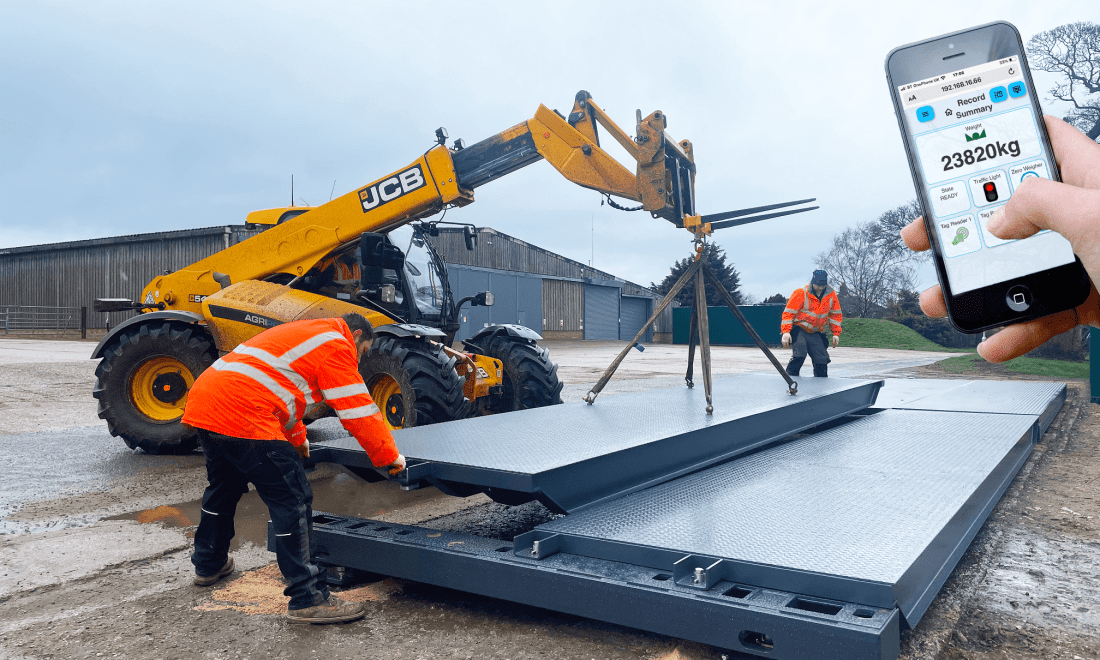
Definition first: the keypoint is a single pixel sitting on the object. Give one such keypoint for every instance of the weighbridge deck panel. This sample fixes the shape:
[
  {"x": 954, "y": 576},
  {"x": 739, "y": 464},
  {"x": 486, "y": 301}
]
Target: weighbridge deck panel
[{"x": 575, "y": 455}]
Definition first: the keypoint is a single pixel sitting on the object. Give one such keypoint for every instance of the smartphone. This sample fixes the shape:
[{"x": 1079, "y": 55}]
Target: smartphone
[{"x": 973, "y": 131}]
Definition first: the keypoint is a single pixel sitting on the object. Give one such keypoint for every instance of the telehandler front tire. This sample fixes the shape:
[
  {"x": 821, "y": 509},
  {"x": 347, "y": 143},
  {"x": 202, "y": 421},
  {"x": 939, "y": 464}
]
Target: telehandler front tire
[
  {"x": 414, "y": 382},
  {"x": 530, "y": 378},
  {"x": 142, "y": 384}
]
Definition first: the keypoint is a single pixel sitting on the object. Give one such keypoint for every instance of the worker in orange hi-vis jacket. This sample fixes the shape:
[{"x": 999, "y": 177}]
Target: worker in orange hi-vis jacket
[
  {"x": 248, "y": 408},
  {"x": 811, "y": 312}
]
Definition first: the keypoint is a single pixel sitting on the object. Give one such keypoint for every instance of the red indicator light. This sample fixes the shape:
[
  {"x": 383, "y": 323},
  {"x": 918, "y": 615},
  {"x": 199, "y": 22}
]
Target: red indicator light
[{"x": 990, "y": 192}]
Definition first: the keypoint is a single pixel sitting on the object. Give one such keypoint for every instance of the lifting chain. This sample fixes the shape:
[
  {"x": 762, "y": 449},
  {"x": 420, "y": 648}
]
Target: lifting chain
[{"x": 612, "y": 204}]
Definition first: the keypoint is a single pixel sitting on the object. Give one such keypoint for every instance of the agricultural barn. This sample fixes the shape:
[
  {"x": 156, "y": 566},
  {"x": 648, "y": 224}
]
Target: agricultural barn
[{"x": 559, "y": 297}]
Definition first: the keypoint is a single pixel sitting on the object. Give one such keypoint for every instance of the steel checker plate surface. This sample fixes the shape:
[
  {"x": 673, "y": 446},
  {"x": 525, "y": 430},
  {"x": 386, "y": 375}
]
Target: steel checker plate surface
[
  {"x": 542, "y": 439},
  {"x": 864, "y": 501},
  {"x": 988, "y": 396}
]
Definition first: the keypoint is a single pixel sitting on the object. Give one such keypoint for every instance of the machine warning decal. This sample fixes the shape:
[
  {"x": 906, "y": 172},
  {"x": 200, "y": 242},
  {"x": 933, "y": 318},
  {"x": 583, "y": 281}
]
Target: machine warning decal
[
  {"x": 241, "y": 316},
  {"x": 387, "y": 190}
]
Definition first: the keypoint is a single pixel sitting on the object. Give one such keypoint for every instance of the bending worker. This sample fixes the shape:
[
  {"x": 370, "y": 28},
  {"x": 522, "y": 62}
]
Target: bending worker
[
  {"x": 248, "y": 408},
  {"x": 810, "y": 311}
]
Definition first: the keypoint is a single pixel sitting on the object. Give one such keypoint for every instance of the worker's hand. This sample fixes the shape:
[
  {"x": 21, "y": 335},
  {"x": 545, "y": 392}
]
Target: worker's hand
[
  {"x": 786, "y": 339},
  {"x": 303, "y": 449},
  {"x": 1072, "y": 209},
  {"x": 397, "y": 466},
  {"x": 836, "y": 341}
]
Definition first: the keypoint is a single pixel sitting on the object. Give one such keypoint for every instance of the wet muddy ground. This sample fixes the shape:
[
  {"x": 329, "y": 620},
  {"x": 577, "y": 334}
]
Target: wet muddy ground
[{"x": 95, "y": 543}]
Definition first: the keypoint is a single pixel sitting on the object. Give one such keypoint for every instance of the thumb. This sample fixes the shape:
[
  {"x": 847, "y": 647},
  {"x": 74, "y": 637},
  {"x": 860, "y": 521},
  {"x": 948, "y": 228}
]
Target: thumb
[{"x": 1040, "y": 204}]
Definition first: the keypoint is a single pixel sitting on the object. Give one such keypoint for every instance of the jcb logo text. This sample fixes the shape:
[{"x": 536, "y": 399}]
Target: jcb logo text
[{"x": 390, "y": 189}]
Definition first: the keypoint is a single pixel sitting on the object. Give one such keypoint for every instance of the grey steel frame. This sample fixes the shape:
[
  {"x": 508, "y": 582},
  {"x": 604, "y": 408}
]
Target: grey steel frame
[{"x": 729, "y": 615}]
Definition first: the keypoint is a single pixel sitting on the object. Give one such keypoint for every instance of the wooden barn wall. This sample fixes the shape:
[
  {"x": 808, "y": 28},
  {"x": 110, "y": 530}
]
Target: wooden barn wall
[{"x": 75, "y": 274}]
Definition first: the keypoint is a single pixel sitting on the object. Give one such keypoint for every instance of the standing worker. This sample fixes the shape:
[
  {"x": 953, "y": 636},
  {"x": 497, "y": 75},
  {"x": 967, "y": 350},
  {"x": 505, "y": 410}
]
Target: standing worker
[
  {"x": 248, "y": 408},
  {"x": 809, "y": 311}
]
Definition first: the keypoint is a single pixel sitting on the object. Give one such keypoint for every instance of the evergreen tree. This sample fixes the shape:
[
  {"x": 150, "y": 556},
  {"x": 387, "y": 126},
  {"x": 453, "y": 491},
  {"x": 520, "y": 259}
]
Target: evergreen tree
[
  {"x": 715, "y": 257},
  {"x": 778, "y": 298}
]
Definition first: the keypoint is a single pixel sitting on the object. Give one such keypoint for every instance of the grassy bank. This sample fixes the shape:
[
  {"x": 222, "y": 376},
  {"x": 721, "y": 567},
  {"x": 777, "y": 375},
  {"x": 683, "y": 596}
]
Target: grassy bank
[
  {"x": 1060, "y": 369},
  {"x": 878, "y": 333}
]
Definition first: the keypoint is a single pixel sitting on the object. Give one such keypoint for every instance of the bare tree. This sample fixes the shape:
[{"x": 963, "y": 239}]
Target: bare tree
[
  {"x": 871, "y": 261},
  {"x": 1072, "y": 50}
]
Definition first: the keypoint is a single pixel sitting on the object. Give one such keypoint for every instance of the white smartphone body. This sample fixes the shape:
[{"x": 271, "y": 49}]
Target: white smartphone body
[{"x": 973, "y": 133}]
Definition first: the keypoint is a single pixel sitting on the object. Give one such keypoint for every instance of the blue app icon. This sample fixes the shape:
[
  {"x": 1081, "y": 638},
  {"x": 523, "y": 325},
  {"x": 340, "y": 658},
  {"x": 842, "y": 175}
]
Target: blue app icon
[
  {"x": 998, "y": 94},
  {"x": 1016, "y": 89},
  {"x": 925, "y": 113}
]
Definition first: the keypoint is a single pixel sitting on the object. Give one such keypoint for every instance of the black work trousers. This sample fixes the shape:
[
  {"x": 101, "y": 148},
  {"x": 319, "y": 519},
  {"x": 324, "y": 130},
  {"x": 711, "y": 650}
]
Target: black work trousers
[
  {"x": 275, "y": 468},
  {"x": 816, "y": 345}
]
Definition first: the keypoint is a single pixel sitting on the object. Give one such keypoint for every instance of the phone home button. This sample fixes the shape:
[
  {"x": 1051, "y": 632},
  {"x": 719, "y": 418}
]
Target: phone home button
[{"x": 1018, "y": 298}]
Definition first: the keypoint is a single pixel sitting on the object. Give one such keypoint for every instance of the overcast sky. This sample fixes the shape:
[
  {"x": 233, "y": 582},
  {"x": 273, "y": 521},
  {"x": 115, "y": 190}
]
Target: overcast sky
[{"x": 131, "y": 117}]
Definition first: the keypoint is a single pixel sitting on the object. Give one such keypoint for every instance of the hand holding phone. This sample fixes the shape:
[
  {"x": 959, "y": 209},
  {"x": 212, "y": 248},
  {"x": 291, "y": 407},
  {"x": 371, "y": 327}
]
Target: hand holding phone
[
  {"x": 975, "y": 139},
  {"x": 1071, "y": 208}
]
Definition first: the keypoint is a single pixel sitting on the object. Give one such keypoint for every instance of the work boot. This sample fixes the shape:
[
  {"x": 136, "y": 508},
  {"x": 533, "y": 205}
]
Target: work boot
[
  {"x": 332, "y": 610},
  {"x": 821, "y": 371},
  {"x": 206, "y": 581}
]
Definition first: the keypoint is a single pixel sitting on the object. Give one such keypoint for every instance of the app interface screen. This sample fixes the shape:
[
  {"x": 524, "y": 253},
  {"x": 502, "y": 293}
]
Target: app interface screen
[{"x": 976, "y": 138}]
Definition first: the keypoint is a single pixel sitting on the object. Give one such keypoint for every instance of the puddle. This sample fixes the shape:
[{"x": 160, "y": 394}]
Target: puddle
[{"x": 334, "y": 491}]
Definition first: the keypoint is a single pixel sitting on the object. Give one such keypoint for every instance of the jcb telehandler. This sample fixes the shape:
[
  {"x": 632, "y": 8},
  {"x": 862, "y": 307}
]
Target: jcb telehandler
[{"x": 366, "y": 252}]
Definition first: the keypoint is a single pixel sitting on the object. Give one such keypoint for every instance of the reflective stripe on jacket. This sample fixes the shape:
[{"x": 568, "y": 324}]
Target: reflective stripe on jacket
[
  {"x": 261, "y": 389},
  {"x": 811, "y": 313}
]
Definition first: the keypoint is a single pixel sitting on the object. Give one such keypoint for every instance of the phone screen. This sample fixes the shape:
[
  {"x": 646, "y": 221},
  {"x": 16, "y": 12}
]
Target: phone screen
[{"x": 975, "y": 137}]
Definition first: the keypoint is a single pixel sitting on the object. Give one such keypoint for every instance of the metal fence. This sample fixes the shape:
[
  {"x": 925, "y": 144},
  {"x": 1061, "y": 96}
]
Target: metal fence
[{"x": 34, "y": 317}]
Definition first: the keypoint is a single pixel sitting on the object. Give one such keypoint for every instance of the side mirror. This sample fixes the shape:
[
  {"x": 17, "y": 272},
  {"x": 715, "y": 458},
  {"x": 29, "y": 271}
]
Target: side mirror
[
  {"x": 485, "y": 298},
  {"x": 470, "y": 236},
  {"x": 376, "y": 255}
]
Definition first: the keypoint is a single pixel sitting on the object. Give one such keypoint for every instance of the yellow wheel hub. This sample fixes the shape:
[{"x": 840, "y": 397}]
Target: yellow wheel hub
[
  {"x": 158, "y": 388},
  {"x": 386, "y": 393}
]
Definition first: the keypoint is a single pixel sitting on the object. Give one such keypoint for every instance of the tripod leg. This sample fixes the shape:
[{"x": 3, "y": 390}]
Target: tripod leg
[
  {"x": 792, "y": 387},
  {"x": 704, "y": 335},
  {"x": 590, "y": 398},
  {"x": 693, "y": 339}
]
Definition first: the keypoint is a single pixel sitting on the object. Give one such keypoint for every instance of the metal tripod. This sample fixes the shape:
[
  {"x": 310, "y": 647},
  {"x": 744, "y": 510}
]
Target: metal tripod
[{"x": 700, "y": 331}]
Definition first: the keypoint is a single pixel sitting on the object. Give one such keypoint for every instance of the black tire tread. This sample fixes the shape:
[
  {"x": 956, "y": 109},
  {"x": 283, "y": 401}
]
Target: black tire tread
[
  {"x": 424, "y": 368},
  {"x": 183, "y": 341},
  {"x": 532, "y": 378}
]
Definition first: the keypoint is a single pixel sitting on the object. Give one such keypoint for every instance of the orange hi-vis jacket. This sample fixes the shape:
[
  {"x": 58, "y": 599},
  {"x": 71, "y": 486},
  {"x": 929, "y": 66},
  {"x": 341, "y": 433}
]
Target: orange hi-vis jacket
[
  {"x": 812, "y": 313},
  {"x": 262, "y": 388}
]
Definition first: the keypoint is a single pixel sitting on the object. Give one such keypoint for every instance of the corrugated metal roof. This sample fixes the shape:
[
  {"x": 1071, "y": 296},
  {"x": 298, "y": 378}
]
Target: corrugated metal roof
[
  {"x": 537, "y": 260},
  {"x": 130, "y": 238}
]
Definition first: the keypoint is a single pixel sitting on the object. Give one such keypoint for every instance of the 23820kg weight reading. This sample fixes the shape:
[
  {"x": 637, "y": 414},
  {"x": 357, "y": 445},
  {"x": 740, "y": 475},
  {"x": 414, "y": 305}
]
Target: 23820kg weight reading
[{"x": 990, "y": 151}]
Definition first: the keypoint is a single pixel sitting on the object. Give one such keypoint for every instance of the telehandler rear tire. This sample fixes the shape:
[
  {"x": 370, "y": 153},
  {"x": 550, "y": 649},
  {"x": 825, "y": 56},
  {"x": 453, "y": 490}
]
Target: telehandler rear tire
[
  {"x": 142, "y": 384},
  {"x": 414, "y": 382},
  {"x": 530, "y": 378}
]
